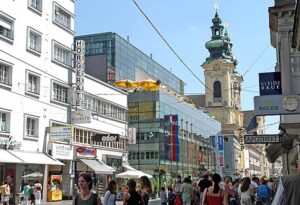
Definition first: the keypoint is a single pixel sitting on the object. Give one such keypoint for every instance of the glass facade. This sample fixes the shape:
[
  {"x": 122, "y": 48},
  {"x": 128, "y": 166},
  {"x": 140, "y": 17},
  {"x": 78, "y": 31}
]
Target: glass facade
[
  {"x": 155, "y": 147},
  {"x": 122, "y": 60}
]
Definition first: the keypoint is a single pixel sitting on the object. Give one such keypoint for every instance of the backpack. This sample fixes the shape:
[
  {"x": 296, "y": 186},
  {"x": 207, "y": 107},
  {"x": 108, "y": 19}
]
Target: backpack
[{"x": 94, "y": 196}]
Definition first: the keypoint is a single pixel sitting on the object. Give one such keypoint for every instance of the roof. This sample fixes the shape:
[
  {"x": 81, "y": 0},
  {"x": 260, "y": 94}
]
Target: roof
[
  {"x": 198, "y": 99},
  {"x": 250, "y": 122}
]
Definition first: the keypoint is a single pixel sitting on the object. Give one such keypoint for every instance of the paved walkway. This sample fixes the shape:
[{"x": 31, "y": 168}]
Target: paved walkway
[{"x": 69, "y": 202}]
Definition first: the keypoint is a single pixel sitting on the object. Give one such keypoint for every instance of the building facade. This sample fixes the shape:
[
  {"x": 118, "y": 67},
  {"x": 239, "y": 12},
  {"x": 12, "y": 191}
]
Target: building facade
[
  {"x": 35, "y": 57},
  {"x": 283, "y": 20},
  {"x": 43, "y": 135}
]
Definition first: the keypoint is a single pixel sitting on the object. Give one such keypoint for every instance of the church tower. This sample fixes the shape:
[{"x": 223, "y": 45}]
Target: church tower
[{"x": 223, "y": 92}]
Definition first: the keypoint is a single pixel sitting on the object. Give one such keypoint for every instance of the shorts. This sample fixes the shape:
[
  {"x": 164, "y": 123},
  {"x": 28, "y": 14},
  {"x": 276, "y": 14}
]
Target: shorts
[{"x": 5, "y": 198}]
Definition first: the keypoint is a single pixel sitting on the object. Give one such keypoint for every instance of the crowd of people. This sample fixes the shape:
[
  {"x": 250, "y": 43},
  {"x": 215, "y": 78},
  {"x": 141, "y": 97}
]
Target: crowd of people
[
  {"x": 212, "y": 189},
  {"x": 134, "y": 195}
]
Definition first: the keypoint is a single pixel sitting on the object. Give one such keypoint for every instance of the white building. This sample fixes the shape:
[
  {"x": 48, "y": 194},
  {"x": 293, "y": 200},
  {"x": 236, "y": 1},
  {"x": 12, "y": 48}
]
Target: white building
[{"x": 36, "y": 93}]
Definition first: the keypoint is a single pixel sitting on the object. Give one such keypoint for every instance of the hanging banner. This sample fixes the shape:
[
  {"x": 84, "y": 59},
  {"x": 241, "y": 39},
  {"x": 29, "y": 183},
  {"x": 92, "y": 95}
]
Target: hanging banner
[
  {"x": 175, "y": 140},
  {"x": 166, "y": 136},
  {"x": 132, "y": 135}
]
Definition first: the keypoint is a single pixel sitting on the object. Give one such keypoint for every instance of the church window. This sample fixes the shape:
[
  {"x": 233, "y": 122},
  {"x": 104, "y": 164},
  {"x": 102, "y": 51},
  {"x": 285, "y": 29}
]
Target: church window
[
  {"x": 217, "y": 32},
  {"x": 217, "y": 89}
]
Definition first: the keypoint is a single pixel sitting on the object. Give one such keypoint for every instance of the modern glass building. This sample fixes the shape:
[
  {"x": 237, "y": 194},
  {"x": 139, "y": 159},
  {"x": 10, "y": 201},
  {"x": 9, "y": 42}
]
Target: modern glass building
[
  {"x": 110, "y": 58},
  {"x": 172, "y": 135}
]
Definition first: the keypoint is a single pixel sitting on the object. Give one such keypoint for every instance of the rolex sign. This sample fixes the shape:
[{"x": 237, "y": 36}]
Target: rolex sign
[{"x": 270, "y": 83}]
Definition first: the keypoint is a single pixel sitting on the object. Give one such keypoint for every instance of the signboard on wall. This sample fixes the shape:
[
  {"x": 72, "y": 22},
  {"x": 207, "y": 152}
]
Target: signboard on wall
[
  {"x": 276, "y": 105},
  {"x": 106, "y": 138},
  {"x": 262, "y": 139},
  {"x": 60, "y": 133},
  {"x": 270, "y": 83},
  {"x": 62, "y": 151},
  {"x": 79, "y": 67},
  {"x": 80, "y": 116}
]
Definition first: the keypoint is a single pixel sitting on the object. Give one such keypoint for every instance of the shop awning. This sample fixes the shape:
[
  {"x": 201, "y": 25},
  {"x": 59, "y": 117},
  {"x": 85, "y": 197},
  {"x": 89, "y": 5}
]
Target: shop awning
[
  {"x": 6, "y": 157},
  {"x": 35, "y": 157},
  {"x": 128, "y": 167},
  {"x": 98, "y": 166}
]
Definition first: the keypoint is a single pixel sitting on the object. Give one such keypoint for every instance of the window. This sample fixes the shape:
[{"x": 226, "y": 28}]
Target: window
[
  {"x": 5, "y": 74},
  {"x": 33, "y": 83},
  {"x": 62, "y": 54},
  {"x": 6, "y": 27},
  {"x": 62, "y": 17},
  {"x": 34, "y": 41},
  {"x": 36, "y": 5},
  {"x": 217, "y": 89},
  {"x": 32, "y": 124},
  {"x": 60, "y": 93},
  {"x": 4, "y": 121}
]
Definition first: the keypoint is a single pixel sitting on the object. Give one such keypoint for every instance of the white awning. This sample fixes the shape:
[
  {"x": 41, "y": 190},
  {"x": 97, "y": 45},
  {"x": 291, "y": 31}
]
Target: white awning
[
  {"x": 128, "y": 167},
  {"x": 98, "y": 166},
  {"x": 35, "y": 158},
  {"x": 7, "y": 157}
]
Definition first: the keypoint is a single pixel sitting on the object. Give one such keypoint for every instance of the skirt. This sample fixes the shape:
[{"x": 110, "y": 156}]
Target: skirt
[{"x": 247, "y": 201}]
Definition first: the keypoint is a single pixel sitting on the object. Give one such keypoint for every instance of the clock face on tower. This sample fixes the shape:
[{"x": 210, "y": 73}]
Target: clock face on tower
[{"x": 290, "y": 103}]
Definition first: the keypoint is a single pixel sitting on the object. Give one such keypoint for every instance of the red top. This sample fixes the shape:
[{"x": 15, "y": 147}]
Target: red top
[{"x": 214, "y": 200}]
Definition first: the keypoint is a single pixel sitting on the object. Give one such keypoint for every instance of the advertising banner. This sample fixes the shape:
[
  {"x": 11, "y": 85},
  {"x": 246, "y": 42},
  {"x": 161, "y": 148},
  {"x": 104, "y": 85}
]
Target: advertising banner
[
  {"x": 270, "y": 83},
  {"x": 106, "y": 138},
  {"x": 132, "y": 135},
  {"x": 276, "y": 105},
  {"x": 81, "y": 116},
  {"x": 62, "y": 151},
  {"x": 175, "y": 141},
  {"x": 166, "y": 136},
  {"x": 60, "y": 133}
]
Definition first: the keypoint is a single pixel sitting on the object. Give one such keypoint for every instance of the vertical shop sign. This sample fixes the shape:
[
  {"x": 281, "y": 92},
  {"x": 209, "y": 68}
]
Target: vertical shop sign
[
  {"x": 79, "y": 67},
  {"x": 220, "y": 151},
  {"x": 132, "y": 135}
]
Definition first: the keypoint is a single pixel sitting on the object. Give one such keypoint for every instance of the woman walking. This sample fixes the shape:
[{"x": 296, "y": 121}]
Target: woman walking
[
  {"x": 110, "y": 194},
  {"x": 131, "y": 197},
  {"x": 214, "y": 195},
  {"x": 37, "y": 191},
  {"x": 146, "y": 190},
  {"x": 186, "y": 190},
  {"x": 85, "y": 196},
  {"x": 247, "y": 192}
]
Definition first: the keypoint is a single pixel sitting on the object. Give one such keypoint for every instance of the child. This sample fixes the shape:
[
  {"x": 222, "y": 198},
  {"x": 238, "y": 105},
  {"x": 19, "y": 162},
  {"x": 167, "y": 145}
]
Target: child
[
  {"x": 171, "y": 196},
  {"x": 163, "y": 196}
]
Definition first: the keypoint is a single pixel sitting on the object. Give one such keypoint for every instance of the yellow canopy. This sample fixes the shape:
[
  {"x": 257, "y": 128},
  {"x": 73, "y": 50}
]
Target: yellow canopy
[{"x": 126, "y": 84}]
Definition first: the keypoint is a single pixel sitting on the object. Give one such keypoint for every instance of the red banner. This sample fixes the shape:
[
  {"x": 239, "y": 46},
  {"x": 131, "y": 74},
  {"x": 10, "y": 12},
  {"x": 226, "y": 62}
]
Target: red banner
[{"x": 200, "y": 156}]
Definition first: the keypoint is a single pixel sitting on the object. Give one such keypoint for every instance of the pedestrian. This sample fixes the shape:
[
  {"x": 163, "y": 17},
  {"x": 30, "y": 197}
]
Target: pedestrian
[
  {"x": 214, "y": 195},
  {"x": 26, "y": 193},
  {"x": 186, "y": 191},
  {"x": 171, "y": 196},
  {"x": 264, "y": 193},
  {"x": 195, "y": 200},
  {"x": 145, "y": 190},
  {"x": 163, "y": 196},
  {"x": 131, "y": 197},
  {"x": 203, "y": 183},
  {"x": 85, "y": 196},
  {"x": 37, "y": 191},
  {"x": 247, "y": 192},
  {"x": 177, "y": 190},
  {"x": 5, "y": 194},
  {"x": 110, "y": 194},
  {"x": 32, "y": 195}
]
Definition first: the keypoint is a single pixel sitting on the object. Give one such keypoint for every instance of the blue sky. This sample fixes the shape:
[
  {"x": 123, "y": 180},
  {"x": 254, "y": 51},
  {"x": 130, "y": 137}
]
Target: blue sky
[{"x": 186, "y": 26}]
